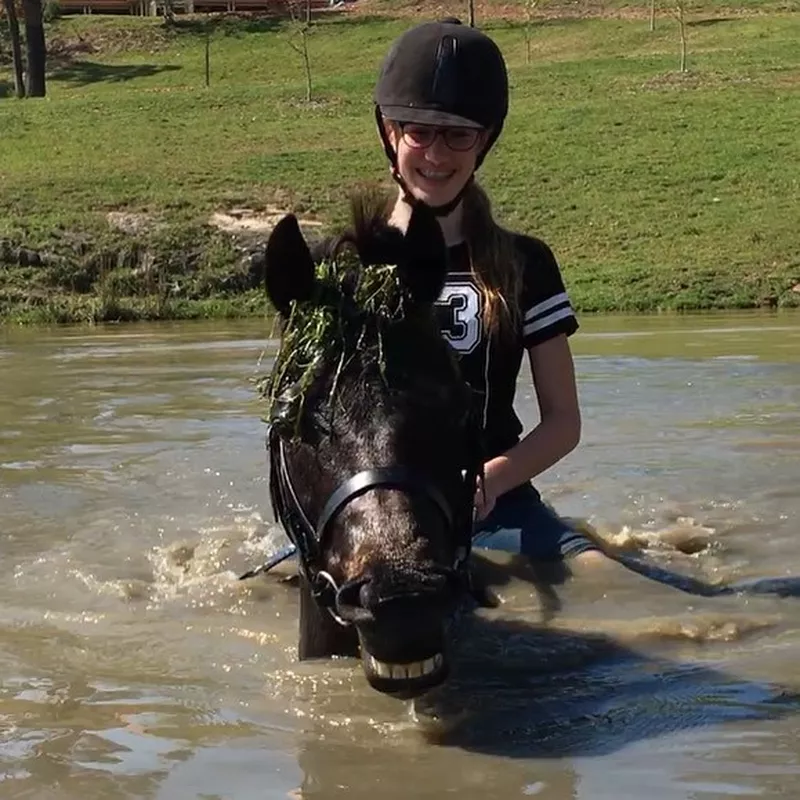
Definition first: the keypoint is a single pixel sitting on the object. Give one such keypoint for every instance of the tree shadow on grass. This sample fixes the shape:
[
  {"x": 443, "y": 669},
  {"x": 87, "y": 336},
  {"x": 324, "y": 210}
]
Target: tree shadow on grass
[
  {"x": 84, "y": 73},
  {"x": 235, "y": 23},
  {"x": 706, "y": 23},
  {"x": 228, "y": 24}
]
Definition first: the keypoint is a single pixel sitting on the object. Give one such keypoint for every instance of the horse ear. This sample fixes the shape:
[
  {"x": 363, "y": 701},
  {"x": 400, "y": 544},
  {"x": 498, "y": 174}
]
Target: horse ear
[
  {"x": 424, "y": 266},
  {"x": 289, "y": 274}
]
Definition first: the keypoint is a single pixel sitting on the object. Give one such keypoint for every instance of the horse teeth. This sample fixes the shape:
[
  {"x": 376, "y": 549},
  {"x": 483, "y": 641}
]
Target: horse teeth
[{"x": 416, "y": 669}]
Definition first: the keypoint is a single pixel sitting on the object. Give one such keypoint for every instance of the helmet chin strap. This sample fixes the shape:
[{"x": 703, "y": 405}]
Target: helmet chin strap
[{"x": 439, "y": 211}]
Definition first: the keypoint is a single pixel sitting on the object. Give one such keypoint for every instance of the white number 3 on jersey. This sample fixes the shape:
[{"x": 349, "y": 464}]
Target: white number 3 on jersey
[{"x": 459, "y": 309}]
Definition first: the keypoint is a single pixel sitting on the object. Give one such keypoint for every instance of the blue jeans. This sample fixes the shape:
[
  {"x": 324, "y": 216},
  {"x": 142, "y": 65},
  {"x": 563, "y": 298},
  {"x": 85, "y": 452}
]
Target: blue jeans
[{"x": 520, "y": 522}]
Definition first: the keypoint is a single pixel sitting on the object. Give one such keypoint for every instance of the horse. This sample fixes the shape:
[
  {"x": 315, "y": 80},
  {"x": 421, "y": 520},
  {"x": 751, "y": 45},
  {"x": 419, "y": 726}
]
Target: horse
[{"x": 373, "y": 445}]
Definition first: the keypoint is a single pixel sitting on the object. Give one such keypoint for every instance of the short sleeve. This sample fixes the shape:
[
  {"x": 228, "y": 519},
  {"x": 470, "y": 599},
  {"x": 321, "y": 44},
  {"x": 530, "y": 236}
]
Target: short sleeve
[{"x": 544, "y": 304}]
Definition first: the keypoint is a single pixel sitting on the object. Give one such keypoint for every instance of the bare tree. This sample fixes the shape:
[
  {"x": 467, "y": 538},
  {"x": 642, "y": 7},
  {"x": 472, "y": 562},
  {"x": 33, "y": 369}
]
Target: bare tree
[
  {"x": 300, "y": 14},
  {"x": 652, "y": 15},
  {"x": 36, "y": 48},
  {"x": 16, "y": 47},
  {"x": 680, "y": 14},
  {"x": 530, "y": 8},
  {"x": 471, "y": 12}
]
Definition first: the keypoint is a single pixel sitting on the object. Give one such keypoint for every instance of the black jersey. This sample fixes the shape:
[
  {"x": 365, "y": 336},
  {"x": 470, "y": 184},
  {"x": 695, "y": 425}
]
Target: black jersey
[{"x": 492, "y": 367}]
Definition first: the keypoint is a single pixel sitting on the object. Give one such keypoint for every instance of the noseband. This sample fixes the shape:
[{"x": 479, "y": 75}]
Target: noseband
[{"x": 308, "y": 540}]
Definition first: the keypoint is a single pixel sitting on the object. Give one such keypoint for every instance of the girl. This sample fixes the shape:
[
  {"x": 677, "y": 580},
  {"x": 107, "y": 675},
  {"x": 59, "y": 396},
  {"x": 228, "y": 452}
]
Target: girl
[{"x": 440, "y": 104}]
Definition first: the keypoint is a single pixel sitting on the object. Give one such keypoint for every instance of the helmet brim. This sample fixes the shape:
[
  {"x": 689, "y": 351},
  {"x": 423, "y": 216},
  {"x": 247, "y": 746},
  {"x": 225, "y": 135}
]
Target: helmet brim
[{"x": 428, "y": 116}]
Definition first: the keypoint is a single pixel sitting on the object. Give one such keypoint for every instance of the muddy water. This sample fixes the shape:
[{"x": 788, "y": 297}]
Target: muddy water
[{"x": 133, "y": 664}]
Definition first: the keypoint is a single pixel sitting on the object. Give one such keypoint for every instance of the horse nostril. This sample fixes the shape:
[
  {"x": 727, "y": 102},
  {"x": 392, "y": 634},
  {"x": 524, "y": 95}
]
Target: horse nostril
[
  {"x": 395, "y": 593},
  {"x": 407, "y": 594},
  {"x": 349, "y": 601},
  {"x": 378, "y": 594}
]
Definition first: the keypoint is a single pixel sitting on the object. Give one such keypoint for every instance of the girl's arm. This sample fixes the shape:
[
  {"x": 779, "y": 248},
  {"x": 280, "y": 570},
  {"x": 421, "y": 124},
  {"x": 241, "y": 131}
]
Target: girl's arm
[{"x": 557, "y": 433}]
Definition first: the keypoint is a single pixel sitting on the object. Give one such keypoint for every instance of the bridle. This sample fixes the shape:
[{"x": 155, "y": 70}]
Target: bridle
[{"x": 309, "y": 539}]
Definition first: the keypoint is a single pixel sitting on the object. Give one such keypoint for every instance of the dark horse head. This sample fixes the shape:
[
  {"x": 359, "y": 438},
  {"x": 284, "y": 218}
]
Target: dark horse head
[{"x": 372, "y": 447}]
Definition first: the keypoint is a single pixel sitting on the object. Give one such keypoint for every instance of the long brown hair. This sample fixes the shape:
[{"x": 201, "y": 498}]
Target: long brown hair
[{"x": 494, "y": 262}]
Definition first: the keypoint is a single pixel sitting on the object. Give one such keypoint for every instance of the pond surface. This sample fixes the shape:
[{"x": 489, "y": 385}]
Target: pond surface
[{"x": 133, "y": 664}]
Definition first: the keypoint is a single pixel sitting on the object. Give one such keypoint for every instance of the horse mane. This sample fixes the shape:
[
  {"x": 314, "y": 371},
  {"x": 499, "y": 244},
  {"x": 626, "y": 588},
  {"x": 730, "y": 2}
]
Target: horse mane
[{"x": 370, "y": 234}]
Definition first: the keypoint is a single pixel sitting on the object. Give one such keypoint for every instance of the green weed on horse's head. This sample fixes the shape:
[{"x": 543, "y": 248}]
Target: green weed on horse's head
[{"x": 371, "y": 278}]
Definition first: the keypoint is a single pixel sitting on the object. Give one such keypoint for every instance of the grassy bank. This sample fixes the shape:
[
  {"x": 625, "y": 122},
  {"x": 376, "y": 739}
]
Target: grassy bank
[{"x": 657, "y": 190}]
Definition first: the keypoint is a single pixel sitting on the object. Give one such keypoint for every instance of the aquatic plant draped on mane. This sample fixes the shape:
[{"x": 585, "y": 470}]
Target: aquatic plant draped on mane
[{"x": 353, "y": 304}]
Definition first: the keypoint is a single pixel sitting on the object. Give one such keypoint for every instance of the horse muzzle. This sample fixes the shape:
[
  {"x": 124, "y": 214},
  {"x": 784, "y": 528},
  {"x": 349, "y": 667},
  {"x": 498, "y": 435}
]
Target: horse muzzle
[{"x": 402, "y": 622}]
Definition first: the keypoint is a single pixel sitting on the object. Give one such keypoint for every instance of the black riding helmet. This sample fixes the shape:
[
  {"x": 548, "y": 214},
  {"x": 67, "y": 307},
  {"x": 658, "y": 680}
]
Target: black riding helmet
[{"x": 443, "y": 73}]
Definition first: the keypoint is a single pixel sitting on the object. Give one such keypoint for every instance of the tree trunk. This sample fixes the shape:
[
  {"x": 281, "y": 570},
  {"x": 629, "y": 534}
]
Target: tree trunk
[
  {"x": 652, "y": 15},
  {"x": 682, "y": 26},
  {"x": 307, "y": 64},
  {"x": 37, "y": 50},
  {"x": 16, "y": 47},
  {"x": 471, "y": 12},
  {"x": 208, "y": 57}
]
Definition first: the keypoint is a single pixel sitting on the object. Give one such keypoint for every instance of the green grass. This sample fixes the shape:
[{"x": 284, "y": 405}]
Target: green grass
[{"x": 656, "y": 190}]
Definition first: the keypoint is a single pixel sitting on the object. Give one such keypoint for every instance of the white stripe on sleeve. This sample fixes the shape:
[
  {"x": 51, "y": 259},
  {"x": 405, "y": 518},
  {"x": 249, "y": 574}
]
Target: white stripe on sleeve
[
  {"x": 546, "y": 305},
  {"x": 546, "y": 321}
]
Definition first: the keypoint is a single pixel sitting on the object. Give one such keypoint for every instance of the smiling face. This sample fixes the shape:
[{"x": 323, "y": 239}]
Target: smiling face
[{"x": 435, "y": 162}]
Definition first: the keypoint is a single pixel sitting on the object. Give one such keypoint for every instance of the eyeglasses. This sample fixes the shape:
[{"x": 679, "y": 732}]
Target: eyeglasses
[{"x": 421, "y": 136}]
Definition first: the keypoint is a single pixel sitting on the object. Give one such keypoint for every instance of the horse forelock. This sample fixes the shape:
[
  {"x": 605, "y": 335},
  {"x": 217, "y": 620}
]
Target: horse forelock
[
  {"x": 371, "y": 236},
  {"x": 346, "y": 341}
]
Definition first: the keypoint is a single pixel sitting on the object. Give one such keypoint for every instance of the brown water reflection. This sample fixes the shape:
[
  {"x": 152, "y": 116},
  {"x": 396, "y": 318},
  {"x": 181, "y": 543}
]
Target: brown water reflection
[{"x": 133, "y": 664}]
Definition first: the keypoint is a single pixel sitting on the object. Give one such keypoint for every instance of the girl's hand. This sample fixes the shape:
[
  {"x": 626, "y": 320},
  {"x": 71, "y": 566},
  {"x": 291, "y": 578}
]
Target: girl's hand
[{"x": 484, "y": 500}]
